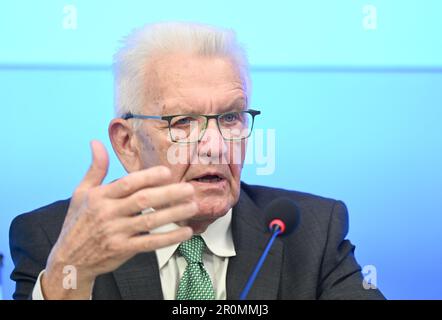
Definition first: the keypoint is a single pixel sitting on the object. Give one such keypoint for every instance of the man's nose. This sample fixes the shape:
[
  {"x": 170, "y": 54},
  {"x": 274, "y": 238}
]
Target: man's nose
[{"x": 212, "y": 144}]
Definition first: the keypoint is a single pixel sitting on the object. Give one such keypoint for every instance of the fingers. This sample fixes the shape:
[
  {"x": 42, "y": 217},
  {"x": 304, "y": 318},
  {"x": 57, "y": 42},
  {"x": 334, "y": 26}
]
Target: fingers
[
  {"x": 155, "y": 176},
  {"x": 152, "y": 242},
  {"x": 158, "y": 197},
  {"x": 99, "y": 166},
  {"x": 147, "y": 222}
]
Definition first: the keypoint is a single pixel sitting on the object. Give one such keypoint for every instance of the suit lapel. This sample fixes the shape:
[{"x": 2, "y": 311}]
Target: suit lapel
[
  {"x": 139, "y": 278},
  {"x": 250, "y": 238}
]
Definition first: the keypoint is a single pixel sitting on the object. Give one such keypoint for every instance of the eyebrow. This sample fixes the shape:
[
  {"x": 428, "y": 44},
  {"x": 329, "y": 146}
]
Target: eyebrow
[{"x": 239, "y": 104}]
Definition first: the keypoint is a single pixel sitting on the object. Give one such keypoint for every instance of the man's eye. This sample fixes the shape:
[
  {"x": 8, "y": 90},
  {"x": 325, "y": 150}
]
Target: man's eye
[
  {"x": 230, "y": 117},
  {"x": 183, "y": 121}
]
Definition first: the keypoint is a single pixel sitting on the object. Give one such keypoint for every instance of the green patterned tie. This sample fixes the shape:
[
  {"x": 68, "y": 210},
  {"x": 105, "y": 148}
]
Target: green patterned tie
[{"x": 195, "y": 284}]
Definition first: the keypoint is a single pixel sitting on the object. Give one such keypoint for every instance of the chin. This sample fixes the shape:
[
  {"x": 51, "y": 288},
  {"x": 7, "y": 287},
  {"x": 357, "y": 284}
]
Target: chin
[{"x": 212, "y": 208}]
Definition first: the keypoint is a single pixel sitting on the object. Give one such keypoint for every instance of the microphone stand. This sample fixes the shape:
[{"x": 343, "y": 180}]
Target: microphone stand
[{"x": 276, "y": 231}]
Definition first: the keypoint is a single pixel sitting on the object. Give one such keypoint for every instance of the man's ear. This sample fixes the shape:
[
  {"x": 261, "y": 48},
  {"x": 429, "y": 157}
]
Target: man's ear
[{"x": 125, "y": 144}]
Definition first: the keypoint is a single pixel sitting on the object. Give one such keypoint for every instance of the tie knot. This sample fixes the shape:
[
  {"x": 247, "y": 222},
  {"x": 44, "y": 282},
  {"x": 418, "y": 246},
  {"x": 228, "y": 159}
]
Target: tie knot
[{"x": 192, "y": 249}]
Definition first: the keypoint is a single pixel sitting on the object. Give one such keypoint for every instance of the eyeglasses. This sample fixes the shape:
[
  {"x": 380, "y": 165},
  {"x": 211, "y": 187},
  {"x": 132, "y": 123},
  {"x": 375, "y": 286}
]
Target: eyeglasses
[{"x": 190, "y": 128}]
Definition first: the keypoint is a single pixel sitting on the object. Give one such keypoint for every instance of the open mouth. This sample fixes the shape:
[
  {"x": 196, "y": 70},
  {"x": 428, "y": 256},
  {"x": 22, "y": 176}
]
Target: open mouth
[{"x": 209, "y": 178}]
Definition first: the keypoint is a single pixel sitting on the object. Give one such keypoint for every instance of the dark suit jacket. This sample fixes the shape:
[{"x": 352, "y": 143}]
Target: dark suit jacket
[{"x": 314, "y": 262}]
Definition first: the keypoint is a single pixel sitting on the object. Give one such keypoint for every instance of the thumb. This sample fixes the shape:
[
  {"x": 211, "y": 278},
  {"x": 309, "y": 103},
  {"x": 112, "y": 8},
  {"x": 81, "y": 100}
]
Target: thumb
[{"x": 98, "y": 169}]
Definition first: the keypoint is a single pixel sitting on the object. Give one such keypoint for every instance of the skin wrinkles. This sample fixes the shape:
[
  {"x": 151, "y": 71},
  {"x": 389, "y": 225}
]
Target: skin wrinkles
[{"x": 183, "y": 84}]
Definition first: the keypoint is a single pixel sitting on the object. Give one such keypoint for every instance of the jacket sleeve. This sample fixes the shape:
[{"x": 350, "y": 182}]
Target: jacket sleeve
[
  {"x": 30, "y": 248},
  {"x": 340, "y": 276}
]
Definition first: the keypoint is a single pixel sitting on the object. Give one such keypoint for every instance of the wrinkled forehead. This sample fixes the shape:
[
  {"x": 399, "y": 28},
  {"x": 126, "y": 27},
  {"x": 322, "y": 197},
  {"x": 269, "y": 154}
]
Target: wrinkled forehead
[{"x": 194, "y": 84}]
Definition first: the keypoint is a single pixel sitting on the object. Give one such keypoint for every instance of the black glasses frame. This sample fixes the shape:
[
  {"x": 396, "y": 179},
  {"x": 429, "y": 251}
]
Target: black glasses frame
[{"x": 217, "y": 117}]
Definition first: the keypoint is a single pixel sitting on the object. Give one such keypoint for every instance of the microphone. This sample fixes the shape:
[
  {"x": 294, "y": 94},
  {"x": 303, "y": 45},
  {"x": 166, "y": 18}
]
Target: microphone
[{"x": 282, "y": 217}]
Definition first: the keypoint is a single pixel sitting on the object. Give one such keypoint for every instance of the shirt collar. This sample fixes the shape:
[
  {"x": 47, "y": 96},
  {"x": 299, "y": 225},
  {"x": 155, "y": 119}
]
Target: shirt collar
[{"x": 218, "y": 238}]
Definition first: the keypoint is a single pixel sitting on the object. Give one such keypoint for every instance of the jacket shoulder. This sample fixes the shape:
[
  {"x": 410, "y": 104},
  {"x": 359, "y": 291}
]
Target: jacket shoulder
[
  {"x": 50, "y": 218},
  {"x": 316, "y": 211},
  {"x": 262, "y": 195}
]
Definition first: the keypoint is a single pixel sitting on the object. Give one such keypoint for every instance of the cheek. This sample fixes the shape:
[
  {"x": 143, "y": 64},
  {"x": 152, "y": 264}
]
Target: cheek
[
  {"x": 237, "y": 154},
  {"x": 236, "y": 157},
  {"x": 148, "y": 151},
  {"x": 156, "y": 151},
  {"x": 171, "y": 157},
  {"x": 234, "y": 184}
]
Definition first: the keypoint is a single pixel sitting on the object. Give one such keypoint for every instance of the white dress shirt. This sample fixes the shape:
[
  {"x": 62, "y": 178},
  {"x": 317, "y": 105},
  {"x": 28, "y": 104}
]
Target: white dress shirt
[
  {"x": 220, "y": 247},
  {"x": 219, "y": 242}
]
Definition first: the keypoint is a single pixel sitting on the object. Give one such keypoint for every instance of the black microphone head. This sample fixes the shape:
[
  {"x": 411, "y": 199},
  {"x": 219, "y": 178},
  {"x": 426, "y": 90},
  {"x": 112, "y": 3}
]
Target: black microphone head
[{"x": 282, "y": 210}]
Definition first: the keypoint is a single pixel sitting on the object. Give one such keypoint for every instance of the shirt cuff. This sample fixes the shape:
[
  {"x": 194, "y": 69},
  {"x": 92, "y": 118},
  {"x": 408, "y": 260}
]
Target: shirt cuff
[{"x": 37, "y": 294}]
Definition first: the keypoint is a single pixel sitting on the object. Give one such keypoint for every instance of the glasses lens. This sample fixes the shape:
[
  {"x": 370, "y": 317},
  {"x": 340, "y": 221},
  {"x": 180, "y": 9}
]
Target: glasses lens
[
  {"x": 187, "y": 128},
  {"x": 235, "y": 125}
]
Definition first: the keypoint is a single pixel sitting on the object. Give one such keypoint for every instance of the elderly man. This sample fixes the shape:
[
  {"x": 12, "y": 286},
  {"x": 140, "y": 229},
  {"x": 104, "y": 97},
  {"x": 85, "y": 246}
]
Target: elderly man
[{"x": 181, "y": 224}]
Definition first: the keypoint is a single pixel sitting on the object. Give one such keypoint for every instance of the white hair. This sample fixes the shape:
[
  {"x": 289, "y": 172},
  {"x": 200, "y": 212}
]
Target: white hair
[{"x": 167, "y": 38}]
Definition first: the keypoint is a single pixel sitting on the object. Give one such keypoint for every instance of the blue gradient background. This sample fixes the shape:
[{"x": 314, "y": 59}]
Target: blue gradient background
[{"x": 357, "y": 112}]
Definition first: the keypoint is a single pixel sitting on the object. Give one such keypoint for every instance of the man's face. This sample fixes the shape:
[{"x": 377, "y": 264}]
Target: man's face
[{"x": 184, "y": 84}]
